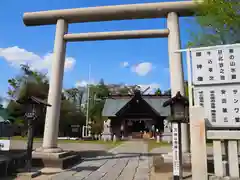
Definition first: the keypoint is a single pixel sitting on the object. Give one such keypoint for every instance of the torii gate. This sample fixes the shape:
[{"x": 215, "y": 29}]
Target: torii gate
[{"x": 171, "y": 10}]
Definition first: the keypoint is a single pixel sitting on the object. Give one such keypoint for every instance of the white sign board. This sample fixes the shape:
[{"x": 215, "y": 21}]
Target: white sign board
[
  {"x": 221, "y": 104},
  {"x": 216, "y": 66},
  {"x": 216, "y": 82},
  {"x": 175, "y": 149},
  {"x": 4, "y": 145}
]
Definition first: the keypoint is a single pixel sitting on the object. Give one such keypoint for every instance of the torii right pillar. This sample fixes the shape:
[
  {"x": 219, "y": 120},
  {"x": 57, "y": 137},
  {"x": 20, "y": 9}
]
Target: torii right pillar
[{"x": 176, "y": 69}]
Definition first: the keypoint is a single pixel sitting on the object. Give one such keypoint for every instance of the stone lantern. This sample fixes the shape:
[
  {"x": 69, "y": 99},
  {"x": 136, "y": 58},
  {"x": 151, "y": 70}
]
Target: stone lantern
[
  {"x": 179, "y": 114},
  {"x": 179, "y": 108},
  {"x": 33, "y": 107}
]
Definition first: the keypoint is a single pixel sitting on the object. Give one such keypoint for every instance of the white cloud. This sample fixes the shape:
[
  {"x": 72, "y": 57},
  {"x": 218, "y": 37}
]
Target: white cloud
[
  {"x": 81, "y": 83},
  {"x": 142, "y": 69},
  {"x": 125, "y": 64},
  {"x": 16, "y": 56},
  {"x": 84, "y": 83},
  {"x": 5, "y": 102}
]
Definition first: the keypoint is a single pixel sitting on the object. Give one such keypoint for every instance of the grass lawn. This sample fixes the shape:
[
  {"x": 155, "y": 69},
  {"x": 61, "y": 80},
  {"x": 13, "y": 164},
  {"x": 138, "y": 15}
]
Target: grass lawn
[{"x": 110, "y": 144}]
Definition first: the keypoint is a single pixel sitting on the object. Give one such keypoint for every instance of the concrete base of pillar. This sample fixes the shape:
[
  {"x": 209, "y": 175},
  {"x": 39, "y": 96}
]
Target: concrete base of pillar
[
  {"x": 168, "y": 158},
  {"x": 49, "y": 150},
  {"x": 163, "y": 164},
  {"x": 60, "y": 160}
]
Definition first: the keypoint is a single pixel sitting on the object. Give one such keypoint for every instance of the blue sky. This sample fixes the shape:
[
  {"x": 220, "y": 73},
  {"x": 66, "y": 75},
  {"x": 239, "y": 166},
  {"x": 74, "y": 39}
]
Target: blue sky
[{"x": 20, "y": 44}]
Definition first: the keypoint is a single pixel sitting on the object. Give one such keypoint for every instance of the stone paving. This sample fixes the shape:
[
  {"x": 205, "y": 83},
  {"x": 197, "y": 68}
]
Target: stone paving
[{"x": 125, "y": 162}]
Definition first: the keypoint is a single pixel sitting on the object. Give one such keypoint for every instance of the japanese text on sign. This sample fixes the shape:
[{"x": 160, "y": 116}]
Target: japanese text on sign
[
  {"x": 221, "y": 104},
  {"x": 216, "y": 80},
  {"x": 175, "y": 146},
  {"x": 216, "y": 66}
]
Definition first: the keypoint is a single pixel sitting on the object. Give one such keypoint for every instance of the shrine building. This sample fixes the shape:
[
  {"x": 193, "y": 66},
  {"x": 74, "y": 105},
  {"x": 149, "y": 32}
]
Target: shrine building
[{"x": 135, "y": 113}]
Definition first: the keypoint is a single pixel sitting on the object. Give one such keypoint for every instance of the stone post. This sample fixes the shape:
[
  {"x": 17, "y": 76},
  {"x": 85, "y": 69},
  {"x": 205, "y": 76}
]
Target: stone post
[
  {"x": 176, "y": 68},
  {"x": 55, "y": 89},
  {"x": 198, "y": 144}
]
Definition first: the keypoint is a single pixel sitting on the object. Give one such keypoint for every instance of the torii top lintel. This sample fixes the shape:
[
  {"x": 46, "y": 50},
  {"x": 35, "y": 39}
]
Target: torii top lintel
[{"x": 108, "y": 13}]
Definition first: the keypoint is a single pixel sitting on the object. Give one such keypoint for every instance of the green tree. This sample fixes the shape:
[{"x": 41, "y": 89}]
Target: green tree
[
  {"x": 34, "y": 83},
  {"x": 75, "y": 95},
  {"x": 124, "y": 91},
  {"x": 1, "y": 100},
  {"x": 219, "y": 22},
  {"x": 28, "y": 83},
  {"x": 158, "y": 92},
  {"x": 69, "y": 115},
  {"x": 98, "y": 95},
  {"x": 102, "y": 90},
  {"x": 71, "y": 94}
]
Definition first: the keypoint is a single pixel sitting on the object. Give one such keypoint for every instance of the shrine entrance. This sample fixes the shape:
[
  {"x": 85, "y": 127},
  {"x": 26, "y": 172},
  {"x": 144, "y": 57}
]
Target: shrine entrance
[
  {"x": 137, "y": 126},
  {"x": 135, "y": 114}
]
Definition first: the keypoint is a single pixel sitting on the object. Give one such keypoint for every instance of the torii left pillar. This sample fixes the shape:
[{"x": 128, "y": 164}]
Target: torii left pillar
[
  {"x": 176, "y": 69},
  {"x": 55, "y": 90}
]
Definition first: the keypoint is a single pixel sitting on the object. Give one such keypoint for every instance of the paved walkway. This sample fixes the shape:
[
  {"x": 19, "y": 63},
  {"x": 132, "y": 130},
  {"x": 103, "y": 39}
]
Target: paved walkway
[{"x": 126, "y": 162}]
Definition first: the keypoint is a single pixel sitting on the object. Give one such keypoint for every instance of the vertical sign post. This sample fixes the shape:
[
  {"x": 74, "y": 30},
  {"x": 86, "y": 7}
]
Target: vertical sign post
[
  {"x": 177, "y": 151},
  {"x": 30, "y": 142},
  {"x": 179, "y": 108}
]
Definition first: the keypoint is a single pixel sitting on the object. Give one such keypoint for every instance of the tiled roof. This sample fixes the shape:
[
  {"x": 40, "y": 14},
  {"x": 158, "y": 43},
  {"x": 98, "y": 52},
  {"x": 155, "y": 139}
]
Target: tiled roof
[
  {"x": 157, "y": 104},
  {"x": 112, "y": 106}
]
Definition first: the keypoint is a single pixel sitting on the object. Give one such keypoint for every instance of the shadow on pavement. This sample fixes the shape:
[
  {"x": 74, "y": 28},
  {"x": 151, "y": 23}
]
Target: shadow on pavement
[
  {"x": 85, "y": 155},
  {"x": 85, "y": 168},
  {"x": 115, "y": 156},
  {"x": 142, "y": 154},
  {"x": 99, "y": 155},
  {"x": 93, "y": 153},
  {"x": 95, "y": 156}
]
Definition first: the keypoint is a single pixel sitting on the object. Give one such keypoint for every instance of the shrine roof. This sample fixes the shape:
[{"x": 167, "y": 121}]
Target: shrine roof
[
  {"x": 115, "y": 103},
  {"x": 119, "y": 96}
]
